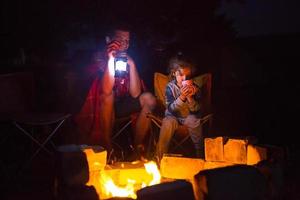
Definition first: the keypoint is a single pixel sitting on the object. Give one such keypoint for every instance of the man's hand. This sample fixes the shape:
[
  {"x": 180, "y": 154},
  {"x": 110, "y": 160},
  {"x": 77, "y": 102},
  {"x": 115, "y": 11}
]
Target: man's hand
[
  {"x": 112, "y": 47},
  {"x": 130, "y": 62},
  {"x": 111, "y": 50}
]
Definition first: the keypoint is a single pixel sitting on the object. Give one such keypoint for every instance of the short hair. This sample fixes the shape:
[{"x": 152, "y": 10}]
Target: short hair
[
  {"x": 122, "y": 26},
  {"x": 180, "y": 62}
]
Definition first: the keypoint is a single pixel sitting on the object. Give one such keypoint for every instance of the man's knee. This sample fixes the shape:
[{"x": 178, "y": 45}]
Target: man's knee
[{"x": 147, "y": 100}]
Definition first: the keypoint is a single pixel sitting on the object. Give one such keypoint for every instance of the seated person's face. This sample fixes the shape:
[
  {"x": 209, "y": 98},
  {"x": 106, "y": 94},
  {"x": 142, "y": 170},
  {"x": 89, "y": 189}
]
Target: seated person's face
[
  {"x": 182, "y": 75},
  {"x": 123, "y": 37}
]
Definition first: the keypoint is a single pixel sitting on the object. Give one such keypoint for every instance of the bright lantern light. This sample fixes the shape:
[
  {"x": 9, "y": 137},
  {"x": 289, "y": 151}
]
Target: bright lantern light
[{"x": 111, "y": 66}]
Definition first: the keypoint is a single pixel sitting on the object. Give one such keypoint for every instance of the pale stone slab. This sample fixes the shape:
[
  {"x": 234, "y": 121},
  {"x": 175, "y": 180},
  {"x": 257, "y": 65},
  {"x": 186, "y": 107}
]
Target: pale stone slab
[
  {"x": 214, "y": 165},
  {"x": 214, "y": 149},
  {"x": 180, "y": 167},
  {"x": 96, "y": 157},
  {"x": 121, "y": 176},
  {"x": 235, "y": 151},
  {"x": 255, "y": 154}
]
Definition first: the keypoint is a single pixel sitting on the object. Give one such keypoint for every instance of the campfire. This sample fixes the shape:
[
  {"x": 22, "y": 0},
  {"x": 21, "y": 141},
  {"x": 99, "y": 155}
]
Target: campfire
[{"x": 124, "y": 179}]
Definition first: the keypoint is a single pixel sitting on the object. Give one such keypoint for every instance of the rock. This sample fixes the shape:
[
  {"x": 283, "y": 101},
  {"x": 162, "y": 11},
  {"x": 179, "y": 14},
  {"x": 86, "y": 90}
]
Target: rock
[
  {"x": 180, "y": 167},
  {"x": 235, "y": 151},
  {"x": 214, "y": 149},
  {"x": 255, "y": 154}
]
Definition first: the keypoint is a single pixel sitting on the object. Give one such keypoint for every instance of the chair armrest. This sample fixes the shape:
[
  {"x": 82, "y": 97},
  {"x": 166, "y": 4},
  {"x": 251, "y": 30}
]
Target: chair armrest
[
  {"x": 155, "y": 119},
  {"x": 206, "y": 118}
]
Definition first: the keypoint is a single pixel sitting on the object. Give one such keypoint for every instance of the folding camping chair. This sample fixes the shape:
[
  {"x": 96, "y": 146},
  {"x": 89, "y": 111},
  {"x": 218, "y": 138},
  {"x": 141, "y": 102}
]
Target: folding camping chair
[
  {"x": 31, "y": 121},
  {"x": 121, "y": 124},
  {"x": 204, "y": 81}
]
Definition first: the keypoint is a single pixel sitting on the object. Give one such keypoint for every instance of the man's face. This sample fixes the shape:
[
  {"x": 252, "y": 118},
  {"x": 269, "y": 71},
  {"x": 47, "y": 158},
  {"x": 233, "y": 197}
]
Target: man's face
[{"x": 123, "y": 37}]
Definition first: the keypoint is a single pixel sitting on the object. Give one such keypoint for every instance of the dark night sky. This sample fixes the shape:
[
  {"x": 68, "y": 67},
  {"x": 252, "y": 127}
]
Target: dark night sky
[
  {"x": 263, "y": 17},
  {"x": 78, "y": 23},
  {"x": 49, "y": 31}
]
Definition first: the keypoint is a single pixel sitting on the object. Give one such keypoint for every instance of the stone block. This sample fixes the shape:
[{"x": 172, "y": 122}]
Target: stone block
[
  {"x": 180, "y": 167},
  {"x": 255, "y": 154},
  {"x": 122, "y": 171},
  {"x": 214, "y": 165},
  {"x": 78, "y": 193},
  {"x": 234, "y": 183},
  {"x": 96, "y": 157},
  {"x": 179, "y": 189},
  {"x": 235, "y": 151},
  {"x": 71, "y": 166},
  {"x": 214, "y": 149}
]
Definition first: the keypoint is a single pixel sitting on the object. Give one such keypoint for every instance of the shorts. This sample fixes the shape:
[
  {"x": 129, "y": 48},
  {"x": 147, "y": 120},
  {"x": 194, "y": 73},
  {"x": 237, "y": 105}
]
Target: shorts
[{"x": 126, "y": 106}]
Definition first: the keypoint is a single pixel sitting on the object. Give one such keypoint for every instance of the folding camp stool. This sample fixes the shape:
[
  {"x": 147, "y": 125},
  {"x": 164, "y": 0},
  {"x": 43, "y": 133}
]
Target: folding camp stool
[{"x": 34, "y": 120}]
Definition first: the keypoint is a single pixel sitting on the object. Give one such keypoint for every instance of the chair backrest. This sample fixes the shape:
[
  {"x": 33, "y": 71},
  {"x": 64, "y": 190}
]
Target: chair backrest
[
  {"x": 17, "y": 93},
  {"x": 204, "y": 81}
]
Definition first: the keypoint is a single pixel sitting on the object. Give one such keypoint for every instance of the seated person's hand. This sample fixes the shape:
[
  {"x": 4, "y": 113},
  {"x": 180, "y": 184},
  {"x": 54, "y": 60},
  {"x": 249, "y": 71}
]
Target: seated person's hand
[
  {"x": 187, "y": 83},
  {"x": 192, "y": 90},
  {"x": 184, "y": 92}
]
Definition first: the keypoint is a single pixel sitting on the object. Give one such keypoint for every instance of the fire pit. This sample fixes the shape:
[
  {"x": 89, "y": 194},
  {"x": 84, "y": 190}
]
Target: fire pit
[{"x": 123, "y": 179}]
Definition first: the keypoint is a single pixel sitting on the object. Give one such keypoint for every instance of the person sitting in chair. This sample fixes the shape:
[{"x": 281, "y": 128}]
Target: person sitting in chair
[
  {"x": 183, "y": 106},
  {"x": 116, "y": 91},
  {"x": 122, "y": 91}
]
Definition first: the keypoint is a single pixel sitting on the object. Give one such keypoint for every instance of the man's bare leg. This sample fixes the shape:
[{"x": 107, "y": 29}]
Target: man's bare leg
[
  {"x": 106, "y": 120},
  {"x": 148, "y": 102}
]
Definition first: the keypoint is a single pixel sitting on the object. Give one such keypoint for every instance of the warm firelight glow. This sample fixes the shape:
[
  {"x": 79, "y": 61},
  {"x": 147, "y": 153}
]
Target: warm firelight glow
[
  {"x": 124, "y": 182},
  {"x": 111, "y": 189},
  {"x": 152, "y": 169}
]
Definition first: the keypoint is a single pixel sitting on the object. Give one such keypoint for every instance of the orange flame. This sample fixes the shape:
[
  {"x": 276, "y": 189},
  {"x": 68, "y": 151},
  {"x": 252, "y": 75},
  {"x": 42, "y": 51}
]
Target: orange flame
[
  {"x": 152, "y": 169},
  {"x": 121, "y": 184},
  {"x": 111, "y": 189}
]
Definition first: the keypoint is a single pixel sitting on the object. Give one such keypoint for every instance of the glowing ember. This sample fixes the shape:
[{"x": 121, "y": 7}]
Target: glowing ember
[{"x": 125, "y": 180}]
